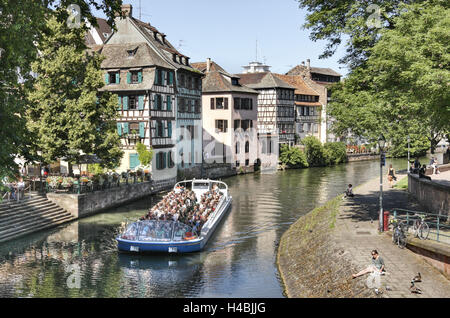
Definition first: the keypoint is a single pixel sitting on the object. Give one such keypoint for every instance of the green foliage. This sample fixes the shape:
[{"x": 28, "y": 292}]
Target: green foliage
[
  {"x": 22, "y": 24},
  {"x": 314, "y": 150},
  {"x": 67, "y": 116},
  {"x": 96, "y": 169},
  {"x": 402, "y": 88},
  {"x": 293, "y": 157},
  {"x": 335, "y": 153},
  {"x": 145, "y": 156},
  {"x": 402, "y": 184}
]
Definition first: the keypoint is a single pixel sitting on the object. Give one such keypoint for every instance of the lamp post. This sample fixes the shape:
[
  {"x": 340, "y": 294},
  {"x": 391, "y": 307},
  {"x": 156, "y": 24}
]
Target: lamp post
[
  {"x": 409, "y": 140},
  {"x": 381, "y": 144}
]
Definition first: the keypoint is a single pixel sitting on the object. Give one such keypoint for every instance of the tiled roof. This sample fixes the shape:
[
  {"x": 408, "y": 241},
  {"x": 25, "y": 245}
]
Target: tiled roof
[
  {"x": 103, "y": 27},
  {"x": 116, "y": 56},
  {"x": 263, "y": 80},
  {"x": 297, "y": 70},
  {"x": 301, "y": 88},
  {"x": 214, "y": 67}
]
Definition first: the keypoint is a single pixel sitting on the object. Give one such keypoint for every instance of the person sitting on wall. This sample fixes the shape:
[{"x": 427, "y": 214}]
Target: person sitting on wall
[
  {"x": 422, "y": 172},
  {"x": 349, "y": 191}
]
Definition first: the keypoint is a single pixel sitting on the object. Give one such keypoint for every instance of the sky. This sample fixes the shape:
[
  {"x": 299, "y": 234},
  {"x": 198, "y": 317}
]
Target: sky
[{"x": 227, "y": 31}]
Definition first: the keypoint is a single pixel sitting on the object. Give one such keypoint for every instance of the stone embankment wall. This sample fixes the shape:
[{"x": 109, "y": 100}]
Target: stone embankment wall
[
  {"x": 81, "y": 205},
  {"x": 310, "y": 262},
  {"x": 362, "y": 157},
  {"x": 432, "y": 195}
]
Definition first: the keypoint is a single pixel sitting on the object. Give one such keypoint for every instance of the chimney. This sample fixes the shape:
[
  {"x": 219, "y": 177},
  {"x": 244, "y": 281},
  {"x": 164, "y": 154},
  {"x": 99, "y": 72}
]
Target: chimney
[
  {"x": 303, "y": 62},
  {"x": 208, "y": 64},
  {"x": 127, "y": 10},
  {"x": 308, "y": 64}
]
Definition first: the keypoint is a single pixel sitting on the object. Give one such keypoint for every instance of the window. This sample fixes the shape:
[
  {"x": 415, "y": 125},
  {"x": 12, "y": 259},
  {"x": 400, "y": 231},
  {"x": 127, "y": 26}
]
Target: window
[
  {"x": 134, "y": 160},
  {"x": 238, "y": 146},
  {"x": 247, "y": 162},
  {"x": 221, "y": 103},
  {"x": 170, "y": 163},
  {"x": 134, "y": 128},
  {"x": 197, "y": 107},
  {"x": 132, "y": 102},
  {"x": 234, "y": 81},
  {"x": 132, "y": 53},
  {"x": 112, "y": 78},
  {"x": 159, "y": 129},
  {"x": 237, "y": 103},
  {"x": 157, "y": 102},
  {"x": 237, "y": 124},
  {"x": 221, "y": 125},
  {"x": 161, "y": 160},
  {"x": 189, "y": 82},
  {"x": 247, "y": 148}
]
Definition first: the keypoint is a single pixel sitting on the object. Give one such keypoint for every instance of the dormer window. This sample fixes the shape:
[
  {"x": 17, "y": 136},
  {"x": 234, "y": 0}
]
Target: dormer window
[
  {"x": 132, "y": 53},
  {"x": 174, "y": 57},
  {"x": 186, "y": 60},
  {"x": 234, "y": 81}
]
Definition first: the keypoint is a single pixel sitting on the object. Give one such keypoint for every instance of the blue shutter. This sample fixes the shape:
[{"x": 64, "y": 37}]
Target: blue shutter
[
  {"x": 156, "y": 77},
  {"x": 128, "y": 78},
  {"x": 134, "y": 160},
  {"x": 170, "y": 78},
  {"x": 119, "y": 129},
  {"x": 141, "y": 102},
  {"x": 163, "y": 77},
  {"x": 119, "y": 103},
  {"x": 125, "y": 128},
  {"x": 140, "y": 77},
  {"x": 169, "y": 103},
  {"x": 164, "y": 160},
  {"x": 142, "y": 130},
  {"x": 125, "y": 103},
  {"x": 107, "y": 78},
  {"x": 118, "y": 77},
  {"x": 156, "y": 129},
  {"x": 169, "y": 129}
]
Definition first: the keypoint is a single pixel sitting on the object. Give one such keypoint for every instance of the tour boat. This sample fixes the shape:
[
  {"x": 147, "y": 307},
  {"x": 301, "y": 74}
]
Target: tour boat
[{"x": 176, "y": 237}]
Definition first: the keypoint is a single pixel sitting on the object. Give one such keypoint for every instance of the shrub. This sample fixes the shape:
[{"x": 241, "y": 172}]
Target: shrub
[
  {"x": 314, "y": 150},
  {"x": 335, "y": 153},
  {"x": 145, "y": 156},
  {"x": 293, "y": 157}
]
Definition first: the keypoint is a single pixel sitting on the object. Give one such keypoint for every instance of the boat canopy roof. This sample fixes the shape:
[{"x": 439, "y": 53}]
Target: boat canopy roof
[{"x": 158, "y": 231}]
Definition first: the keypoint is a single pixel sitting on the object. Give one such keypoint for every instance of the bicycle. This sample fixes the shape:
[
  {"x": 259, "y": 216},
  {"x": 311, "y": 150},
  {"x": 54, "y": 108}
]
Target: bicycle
[
  {"x": 399, "y": 233},
  {"x": 421, "y": 228}
]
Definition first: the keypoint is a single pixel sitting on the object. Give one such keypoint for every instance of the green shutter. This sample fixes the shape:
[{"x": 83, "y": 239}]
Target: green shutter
[
  {"x": 170, "y": 78},
  {"x": 164, "y": 160},
  {"x": 156, "y": 77},
  {"x": 156, "y": 129},
  {"x": 140, "y": 77},
  {"x": 169, "y": 103},
  {"x": 162, "y": 129},
  {"x": 169, "y": 129},
  {"x": 134, "y": 160},
  {"x": 163, "y": 77},
  {"x": 128, "y": 78},
  {"x": 125, "y": 103},
  {"x": 142, "y": 130},
  {"x": 119, "y": 129},
  {"x": 118, "y": 77},
  {"x": 119, "y": 103},
  {"x": 107, "y": 78},
  {"x": 141, "y": 102},
  {"x": 126, "y": 128}
]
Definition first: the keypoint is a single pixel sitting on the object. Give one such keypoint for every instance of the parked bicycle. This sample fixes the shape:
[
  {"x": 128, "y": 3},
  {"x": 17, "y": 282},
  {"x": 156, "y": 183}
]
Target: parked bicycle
[
  {"x": 421, "y": 228},
  {"x": 399, "y": 232}
]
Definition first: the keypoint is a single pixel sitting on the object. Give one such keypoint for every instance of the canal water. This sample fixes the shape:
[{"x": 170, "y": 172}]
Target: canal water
[{"x": 81, "y": 259}]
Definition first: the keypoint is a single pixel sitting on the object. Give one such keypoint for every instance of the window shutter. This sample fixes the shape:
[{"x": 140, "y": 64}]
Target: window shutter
[
  {"x": 125, "y": 103},
  {"x": 140, "y": 77},
  {"x": 117, "y": 77},
  {"x": 162, "y": 129},
  {"x": 226, "y": 103},
  {"x": 107, "y": 78},
  {"x": 119, "y": 129},
  {"x": 156, "y": 77},
  {"x": 170, "y": 78},
  {"x": 212, "y": 103},
  {"x": 169, "y": 102},
  {"x": 251, "y": 104},
  {"x": 163, "y": 77},
  {"x": 169, "y": 129},
  {"x": 141, "y": 102},
  {"x": 164, "y": 160},
  {"x": 119, "y": 103},
  {"x": 157, "y": 161},
  {"x": 157, "y": 129},
  {"x": 154, "y": 102},
  {"x": 142, "y": 129},
  {"x": 126, "y": 128},
  {"x": 128, "y": 77},
  {"x": 225, "y": 125}
]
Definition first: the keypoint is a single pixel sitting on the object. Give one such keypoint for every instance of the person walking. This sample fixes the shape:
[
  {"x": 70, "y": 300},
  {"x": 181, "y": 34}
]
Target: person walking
[{"x": 391, "y": 176}]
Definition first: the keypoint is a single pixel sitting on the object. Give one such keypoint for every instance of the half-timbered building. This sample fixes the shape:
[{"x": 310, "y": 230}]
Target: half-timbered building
[
  {"x": 276, "y": 113},
  {"x": 147, "y": 72}
]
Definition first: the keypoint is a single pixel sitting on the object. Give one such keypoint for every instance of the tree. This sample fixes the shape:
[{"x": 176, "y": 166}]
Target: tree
[
  {"x": 68, "y": 116},
  {"x": 293, "y": 157},
  {"x": 22, "y": 22},
  {"x": 335, "y": 153},
  {"x": 403, "y": 87},
  {"x": 145, "y": 156}
]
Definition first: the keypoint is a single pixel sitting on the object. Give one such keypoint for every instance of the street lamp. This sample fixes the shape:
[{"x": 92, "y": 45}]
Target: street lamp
[
  {"x": 381, "y": 144},
  {"x": 409, "y": 140}
]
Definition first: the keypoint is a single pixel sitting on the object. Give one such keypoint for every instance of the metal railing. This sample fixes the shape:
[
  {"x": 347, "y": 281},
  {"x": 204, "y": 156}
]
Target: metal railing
[
  {"x": 19, "y": 194},
  {"x": 439, "y": 224}
]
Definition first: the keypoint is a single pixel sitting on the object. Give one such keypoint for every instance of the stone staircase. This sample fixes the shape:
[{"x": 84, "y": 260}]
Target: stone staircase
[{"x": 30, "y": 215}]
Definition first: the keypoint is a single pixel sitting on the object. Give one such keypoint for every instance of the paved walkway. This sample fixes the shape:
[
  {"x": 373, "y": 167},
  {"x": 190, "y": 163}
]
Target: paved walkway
[
  {"x": 356, "y": 232},
  {"x": 442, "y": 178}
]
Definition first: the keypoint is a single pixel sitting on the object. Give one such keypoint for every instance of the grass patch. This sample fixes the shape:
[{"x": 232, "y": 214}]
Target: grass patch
[{"x": 402, "y": 184}]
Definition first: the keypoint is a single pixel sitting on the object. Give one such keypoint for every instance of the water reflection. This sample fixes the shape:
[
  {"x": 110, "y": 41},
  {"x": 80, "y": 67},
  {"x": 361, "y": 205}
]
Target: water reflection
[{"x": 239, "y": 260}]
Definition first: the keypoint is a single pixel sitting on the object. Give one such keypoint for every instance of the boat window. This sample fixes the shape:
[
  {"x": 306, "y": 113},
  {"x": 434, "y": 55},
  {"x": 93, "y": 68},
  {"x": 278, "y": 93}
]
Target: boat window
[
  {"x": 155, "y": 230},
  {"x": 201, "y": 186},
  {"x": 131, "y": 232},
  {"x": 183, "y": 232}
]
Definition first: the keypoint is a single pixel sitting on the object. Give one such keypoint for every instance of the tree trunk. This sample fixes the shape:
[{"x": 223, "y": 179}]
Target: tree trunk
[{"x": 70, "y": 169}]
